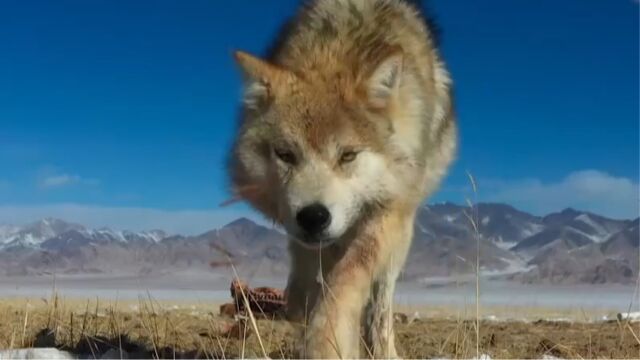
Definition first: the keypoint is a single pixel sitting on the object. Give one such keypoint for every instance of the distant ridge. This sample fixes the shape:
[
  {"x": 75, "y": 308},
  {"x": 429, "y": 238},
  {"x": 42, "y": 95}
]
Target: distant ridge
[{"x": 569, "y": 246}]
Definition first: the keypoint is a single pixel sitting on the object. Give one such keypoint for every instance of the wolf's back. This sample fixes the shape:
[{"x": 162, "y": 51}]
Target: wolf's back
[{"x": 351, "y": 33}]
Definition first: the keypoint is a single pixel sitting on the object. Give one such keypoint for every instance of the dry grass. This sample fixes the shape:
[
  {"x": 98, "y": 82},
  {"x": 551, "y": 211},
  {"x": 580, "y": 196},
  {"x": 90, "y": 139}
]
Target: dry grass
[{"x": 151, "y": 329}]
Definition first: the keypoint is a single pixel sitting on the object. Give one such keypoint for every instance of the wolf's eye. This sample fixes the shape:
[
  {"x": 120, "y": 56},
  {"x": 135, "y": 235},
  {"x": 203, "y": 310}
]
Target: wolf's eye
[
  {"x": 287, "y": 156},
  {"x": 348, "y": 156}
]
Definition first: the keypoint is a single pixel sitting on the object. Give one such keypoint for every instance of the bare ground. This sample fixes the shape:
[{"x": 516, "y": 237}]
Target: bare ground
[{"x": 148, "y": 329}]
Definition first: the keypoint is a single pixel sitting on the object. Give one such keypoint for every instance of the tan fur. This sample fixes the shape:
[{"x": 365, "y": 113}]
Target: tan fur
[{"x": 359, "y": 76}]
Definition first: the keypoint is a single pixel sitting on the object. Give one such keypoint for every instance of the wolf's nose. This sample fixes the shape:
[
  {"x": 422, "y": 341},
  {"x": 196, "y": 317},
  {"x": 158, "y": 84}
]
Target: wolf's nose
[{"x": 314, "y": 218}]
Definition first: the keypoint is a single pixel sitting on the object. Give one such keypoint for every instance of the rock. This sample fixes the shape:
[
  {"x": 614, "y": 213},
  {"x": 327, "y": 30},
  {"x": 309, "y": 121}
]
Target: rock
[
  {"x": 46, "y": 338},
  {"x": 400, "y": 318},
  {"x": 414, "y": 317},
  {"x": 228, "y": 310},
  {"x": 115, "y": 354}
]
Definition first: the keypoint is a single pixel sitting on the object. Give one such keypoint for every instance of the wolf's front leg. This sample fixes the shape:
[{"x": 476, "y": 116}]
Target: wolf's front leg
[
  {"x": 378, "y": 320},
  {"x": 334, "y": 328},
  {"x": 378, "y": 327}
]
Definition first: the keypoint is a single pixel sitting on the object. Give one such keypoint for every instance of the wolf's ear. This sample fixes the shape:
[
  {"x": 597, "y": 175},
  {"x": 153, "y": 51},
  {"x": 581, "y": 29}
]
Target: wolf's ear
[
  {"x": 257, "y": 69},
  {"x": 384, "y": 81},
  {"x": 262, "y": 76}
]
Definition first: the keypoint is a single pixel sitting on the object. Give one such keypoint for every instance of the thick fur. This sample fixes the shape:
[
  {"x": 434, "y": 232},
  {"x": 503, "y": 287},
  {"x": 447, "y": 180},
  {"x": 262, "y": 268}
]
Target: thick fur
[{"x": 353, "y": 110}]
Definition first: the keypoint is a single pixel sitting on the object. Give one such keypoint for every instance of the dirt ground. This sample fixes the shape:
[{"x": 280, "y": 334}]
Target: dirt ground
[{"x": 151, "y": 330}]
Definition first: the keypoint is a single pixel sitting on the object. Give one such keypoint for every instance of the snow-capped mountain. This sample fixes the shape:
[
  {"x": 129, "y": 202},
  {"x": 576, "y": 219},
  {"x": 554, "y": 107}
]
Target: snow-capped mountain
[
  {"x": 34, "y": 234},
  {"x": 8, "y": 230},
  {"x": 501, "y": 224},
  {"x": 567, "y": 246},
  {"x": 47, "y": 232},
  {"x": 79, "y": 237},
  {"x": 572, "y": 227}
]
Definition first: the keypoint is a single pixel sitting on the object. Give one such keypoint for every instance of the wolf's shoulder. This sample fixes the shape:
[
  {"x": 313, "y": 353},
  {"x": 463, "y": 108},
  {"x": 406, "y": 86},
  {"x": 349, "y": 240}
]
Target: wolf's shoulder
[{"x": 352, "y": 30}]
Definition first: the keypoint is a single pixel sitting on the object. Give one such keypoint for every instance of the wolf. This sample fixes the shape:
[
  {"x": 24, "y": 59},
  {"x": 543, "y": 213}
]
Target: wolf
[{"x": 346, "y": 127}]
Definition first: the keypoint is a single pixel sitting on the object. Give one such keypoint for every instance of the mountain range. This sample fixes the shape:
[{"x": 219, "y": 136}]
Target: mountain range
[{"x": 570, "y": 246}]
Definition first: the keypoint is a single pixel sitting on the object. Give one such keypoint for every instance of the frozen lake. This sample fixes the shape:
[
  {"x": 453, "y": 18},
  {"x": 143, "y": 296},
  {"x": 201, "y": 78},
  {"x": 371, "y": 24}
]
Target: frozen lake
[{"x": 214, "y": 288}]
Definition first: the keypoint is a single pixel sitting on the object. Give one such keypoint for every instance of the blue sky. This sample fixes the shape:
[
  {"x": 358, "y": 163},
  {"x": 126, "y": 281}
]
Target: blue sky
[{"x": 125, "y": 109}]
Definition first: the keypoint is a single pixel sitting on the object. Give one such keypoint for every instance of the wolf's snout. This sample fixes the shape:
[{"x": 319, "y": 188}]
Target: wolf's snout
[{"x": 314, "y": 218}]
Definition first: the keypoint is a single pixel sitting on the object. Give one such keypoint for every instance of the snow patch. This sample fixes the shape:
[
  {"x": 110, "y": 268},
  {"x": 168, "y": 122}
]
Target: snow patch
[
  {"x": 533, "y": 229},
  {"x": 423, "y": 229},
  {"x": 586, "y": 219},
  {"x": 629, "y": 316},
  {"x": 514, "y": 266},
  {"x": 35, "y": 353},
  {"x": 504, "y": 245},
  {"x": 594, "y": 238}
]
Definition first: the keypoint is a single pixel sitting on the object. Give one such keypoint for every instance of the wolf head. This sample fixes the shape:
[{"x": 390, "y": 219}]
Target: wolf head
[{"x": 316, "y": 153}]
